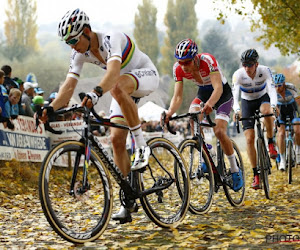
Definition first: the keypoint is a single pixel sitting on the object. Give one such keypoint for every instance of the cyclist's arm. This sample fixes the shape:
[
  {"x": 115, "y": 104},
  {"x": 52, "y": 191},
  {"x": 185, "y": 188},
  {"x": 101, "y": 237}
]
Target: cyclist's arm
[
  {"x": 65, "y": 93},
  {"x": 111, "y": 76},
  {"x": 216, "y": 81},
  {"x": 235, "y": 93},
  {"x": 176, "y": 99},
  {"x": 271, "y": 90}
]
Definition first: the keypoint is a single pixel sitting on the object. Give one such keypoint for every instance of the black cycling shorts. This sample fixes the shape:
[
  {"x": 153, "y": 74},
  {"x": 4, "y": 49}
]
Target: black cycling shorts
[{"x": 249, "y": 108}]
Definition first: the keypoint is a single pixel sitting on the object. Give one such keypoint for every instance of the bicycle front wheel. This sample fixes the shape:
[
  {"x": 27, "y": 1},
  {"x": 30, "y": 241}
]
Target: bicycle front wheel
[
  {"x": 201, "y": 176},
  {"x": 80, "y": 213},
  {"x": 265, "y": 165},
  {"x": 290, "y": 160},
  {"x": 167, "y": 174},
  {"x": 236, "y": 199}
]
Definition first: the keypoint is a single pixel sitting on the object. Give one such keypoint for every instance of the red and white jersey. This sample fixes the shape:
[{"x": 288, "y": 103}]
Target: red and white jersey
[{"x": 207, "y": 64}]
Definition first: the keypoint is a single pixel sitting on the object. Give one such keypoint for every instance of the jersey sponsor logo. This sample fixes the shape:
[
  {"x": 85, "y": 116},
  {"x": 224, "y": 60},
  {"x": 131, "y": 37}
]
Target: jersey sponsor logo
[
  {"x": 246, "y": 84},
  {"x": 141, "y": 73},
  {"x": 260, "y": 75},
  {"x": 101, "y": 48},
  {"x": 107, "y": 44}
]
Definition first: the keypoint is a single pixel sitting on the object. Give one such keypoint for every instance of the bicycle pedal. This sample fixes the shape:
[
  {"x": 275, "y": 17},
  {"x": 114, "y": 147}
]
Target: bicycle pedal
[{"x": 141, "y": 170}]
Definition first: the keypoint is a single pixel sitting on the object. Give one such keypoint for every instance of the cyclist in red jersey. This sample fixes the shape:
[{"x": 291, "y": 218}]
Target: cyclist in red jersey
[{"x": 213, "y": 89}]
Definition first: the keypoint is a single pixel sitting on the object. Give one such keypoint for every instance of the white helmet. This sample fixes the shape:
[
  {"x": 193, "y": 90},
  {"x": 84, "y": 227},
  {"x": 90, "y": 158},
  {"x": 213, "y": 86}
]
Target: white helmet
[{"x": 72, "y": 24}]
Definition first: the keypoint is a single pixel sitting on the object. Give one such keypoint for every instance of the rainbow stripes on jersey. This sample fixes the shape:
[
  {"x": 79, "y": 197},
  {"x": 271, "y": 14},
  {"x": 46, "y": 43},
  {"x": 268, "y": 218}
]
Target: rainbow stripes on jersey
[{"x": 127, "y": 52}]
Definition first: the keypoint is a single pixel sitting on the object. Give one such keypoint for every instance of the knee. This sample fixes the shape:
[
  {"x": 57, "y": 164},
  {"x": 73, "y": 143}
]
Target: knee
[
  {"x": 250, "y": 141},
  {"x": 220, "y": 133},
  {"x": 116, "y": 142}
]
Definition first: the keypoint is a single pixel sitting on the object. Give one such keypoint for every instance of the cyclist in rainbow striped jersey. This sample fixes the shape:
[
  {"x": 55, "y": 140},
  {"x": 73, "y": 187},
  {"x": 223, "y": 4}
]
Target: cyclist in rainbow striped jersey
[
  {"x": 258, "y": 92},
  {"x": 288, "y": 101},
  {"x": 130, "y": 75}
]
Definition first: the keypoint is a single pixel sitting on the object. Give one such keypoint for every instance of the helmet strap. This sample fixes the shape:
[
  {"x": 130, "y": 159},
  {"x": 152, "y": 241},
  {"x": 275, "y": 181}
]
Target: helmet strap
[{"x": 88, "y": 38}]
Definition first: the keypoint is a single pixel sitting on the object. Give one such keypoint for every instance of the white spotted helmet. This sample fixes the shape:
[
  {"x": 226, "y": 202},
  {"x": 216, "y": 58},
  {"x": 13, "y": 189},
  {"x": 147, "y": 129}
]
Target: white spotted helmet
[{"x": 72, "y": 24}]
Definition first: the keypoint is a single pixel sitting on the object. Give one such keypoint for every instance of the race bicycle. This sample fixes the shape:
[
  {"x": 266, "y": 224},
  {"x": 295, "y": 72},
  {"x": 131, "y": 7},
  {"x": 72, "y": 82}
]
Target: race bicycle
[
  {"x": 76, "y": 192},
  {"x": 263, "y": 159},
  {"x": 206, "y": 175}
]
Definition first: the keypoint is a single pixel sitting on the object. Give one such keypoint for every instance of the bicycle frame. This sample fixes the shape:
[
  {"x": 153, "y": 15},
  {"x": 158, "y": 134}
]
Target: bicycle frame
[{"x": 129, "y": 187}]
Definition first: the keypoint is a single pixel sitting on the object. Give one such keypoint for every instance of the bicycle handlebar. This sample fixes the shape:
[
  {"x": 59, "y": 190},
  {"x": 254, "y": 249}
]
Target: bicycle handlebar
[{"x": 192, "y": 115}]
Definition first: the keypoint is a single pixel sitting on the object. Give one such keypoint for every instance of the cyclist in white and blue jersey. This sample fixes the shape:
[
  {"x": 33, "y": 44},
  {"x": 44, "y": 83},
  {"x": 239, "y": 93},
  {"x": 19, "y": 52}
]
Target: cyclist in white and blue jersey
[
  {"x": 258, "y": 92},
  {"x": 288, "y": 101}
]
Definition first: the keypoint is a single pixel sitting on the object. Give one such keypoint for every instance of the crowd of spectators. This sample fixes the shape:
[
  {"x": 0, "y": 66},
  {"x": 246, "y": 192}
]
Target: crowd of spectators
[{"x": 18, "y": 97}]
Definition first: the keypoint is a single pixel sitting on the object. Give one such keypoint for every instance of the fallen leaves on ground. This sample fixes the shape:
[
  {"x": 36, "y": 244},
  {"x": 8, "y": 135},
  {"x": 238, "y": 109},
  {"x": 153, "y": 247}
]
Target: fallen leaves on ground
[{"x": 23, "y": 224}]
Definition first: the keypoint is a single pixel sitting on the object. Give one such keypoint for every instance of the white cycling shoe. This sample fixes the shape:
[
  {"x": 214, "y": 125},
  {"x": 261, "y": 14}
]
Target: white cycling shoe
[
  {"x": 282, "y": 165},
  {"x": 141, "y": 158}
]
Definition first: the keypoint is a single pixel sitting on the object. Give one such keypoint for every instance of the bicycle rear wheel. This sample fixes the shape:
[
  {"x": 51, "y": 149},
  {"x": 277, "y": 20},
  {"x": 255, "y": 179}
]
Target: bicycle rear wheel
[
  {"x": 78, "y": 215},
  {"x": 201, "y": 178},
  {"x": 166, "y": 171},
  {"x": 236, "y": 199},
  {"x": 290, "y": 160},
  {"x": 265, "y": 165}
]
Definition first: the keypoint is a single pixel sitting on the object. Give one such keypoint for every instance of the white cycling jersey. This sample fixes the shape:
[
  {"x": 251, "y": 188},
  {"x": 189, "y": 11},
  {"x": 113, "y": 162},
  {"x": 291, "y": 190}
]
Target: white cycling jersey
[
  {"x": 112, "y": 46},
  {"x": 134, "y": 63},
  {"x": 255, "y": 88}
]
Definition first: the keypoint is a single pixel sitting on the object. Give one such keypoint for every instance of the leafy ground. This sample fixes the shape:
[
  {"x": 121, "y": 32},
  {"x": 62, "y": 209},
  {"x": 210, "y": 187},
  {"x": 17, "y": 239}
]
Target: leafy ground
[{"x": 23, "y": 225}]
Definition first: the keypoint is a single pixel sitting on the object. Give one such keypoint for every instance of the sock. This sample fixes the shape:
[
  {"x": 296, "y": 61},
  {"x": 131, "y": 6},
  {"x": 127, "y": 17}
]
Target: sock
[
  {"x": 138, "y": 136},
  {"x": 233, "y": 167},
  {"x": 255, "y": 171},
  {"x": 270, "y": 140},
  {"x": 282, "y": 157}
]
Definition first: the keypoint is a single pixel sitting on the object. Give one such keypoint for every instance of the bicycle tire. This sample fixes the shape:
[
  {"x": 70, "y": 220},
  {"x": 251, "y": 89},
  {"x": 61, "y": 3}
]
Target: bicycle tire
[
  {"x": 264, "y": 164},
  {"x": 78, "y": 217},
  {"x": 290, "y": 161},
  {"x": 235, "y": 199},
  {"x": 168, "y": 207},
  {"x": 202, "y": 183}
]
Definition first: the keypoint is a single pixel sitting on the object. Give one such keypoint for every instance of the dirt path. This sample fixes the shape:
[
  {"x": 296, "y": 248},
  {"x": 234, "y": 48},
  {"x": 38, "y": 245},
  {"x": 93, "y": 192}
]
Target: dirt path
[{"x": 259, "y": 224}]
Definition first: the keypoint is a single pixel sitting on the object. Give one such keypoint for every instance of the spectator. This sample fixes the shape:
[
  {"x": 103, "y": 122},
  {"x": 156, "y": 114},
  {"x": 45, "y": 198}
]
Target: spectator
[
  {"x": 8, "y": 82},
  {"x": 39, "y": 91},
  {"x": 12, "y": 107},
  {"x": 21, "y": 88},
  {"x": 3, "y": 96},
  {"x": 37, "y": 103},
  {"x": 2, "y": 79},
  {"x": 52, "y": 97},
  {"x": 27, "y": 97}
]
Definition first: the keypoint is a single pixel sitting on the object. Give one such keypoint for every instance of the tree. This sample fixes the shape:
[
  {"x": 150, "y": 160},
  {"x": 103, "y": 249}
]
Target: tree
[
  {"x": 216, "y": 43},
  {"x": 181, "y": 22},
  {"x": 145, "y": 31},
  {"x": 279, "y": 20},
  {"x": 20, "y": 29}
]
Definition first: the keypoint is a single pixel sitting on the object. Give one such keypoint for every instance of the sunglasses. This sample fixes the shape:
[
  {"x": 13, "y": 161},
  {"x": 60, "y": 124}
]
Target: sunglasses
[
  {"x": 278, "y": 85},
  {"x": 249, "y": 65},
  {"x": 185, "y": 63},
  {"x": 75, "y": 39}
]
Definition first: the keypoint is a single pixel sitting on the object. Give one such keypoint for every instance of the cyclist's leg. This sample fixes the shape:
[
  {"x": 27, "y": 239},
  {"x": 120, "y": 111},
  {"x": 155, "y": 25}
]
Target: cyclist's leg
[
  {"x": 220, "y": 130},
  {"x": 281, "y": 143},
  {"x": 265, "y": 108},
  {"x": 297, "y": 138},
  {"x": 248, "y": 110}
]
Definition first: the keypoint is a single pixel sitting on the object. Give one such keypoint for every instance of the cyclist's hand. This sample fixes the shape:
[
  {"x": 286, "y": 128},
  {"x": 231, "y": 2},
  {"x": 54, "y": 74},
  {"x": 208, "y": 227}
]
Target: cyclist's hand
[
  {"x": 207, "y": 109},
  {"x": 237, "y": 116},
  {"x": 164, "y": 118},
  {"x": 275, "y": 111},
  {"x": 44, "y": 113},
  {"x": 90, "y": 100}
]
